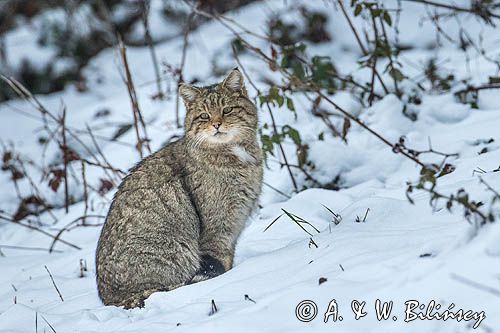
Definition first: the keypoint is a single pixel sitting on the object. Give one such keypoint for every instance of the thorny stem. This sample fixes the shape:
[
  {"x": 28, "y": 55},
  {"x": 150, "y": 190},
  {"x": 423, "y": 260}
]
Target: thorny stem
[
  {"x": 471, "y": 207},
  {"x": 478, "y": 88}
]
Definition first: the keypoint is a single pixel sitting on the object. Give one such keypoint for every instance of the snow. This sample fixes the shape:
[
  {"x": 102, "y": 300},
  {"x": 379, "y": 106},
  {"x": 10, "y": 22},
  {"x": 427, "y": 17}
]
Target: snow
[
  {"x": 159, "y": 27},
  {"x": 399, "y": 252},
  {"x": 20, "y": 45}
]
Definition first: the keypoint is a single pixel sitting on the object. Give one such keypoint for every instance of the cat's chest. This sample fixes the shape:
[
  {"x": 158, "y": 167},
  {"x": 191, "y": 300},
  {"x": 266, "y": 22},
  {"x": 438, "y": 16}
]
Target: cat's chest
[{"x": 223, "y": 183}]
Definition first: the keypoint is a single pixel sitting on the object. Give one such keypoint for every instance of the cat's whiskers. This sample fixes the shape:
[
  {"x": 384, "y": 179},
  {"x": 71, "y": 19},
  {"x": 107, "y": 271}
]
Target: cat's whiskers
[
  {"x": 197, "y": 141},
  {"x": 200, "y": 139}
]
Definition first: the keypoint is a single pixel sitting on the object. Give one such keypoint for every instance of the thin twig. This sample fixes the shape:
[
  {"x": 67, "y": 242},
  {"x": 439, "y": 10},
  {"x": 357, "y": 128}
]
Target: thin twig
[
  {"x": 475, "y": 284},
  {"x": 451, "y": 7},
  {"x": 275, "y": 129},
  {"x": 138, "y": 119},
  {"x": 283, "y": 154},
  {"x": 478, "y": 88},
  {"x": 54, "y": 283},
  {"x": 25, "y": 94},
  {"x": 491, "y": 189},
  {"x": 26, "y": 248},
  {"x": 85, "y": 193},
  {"x": 235, "y": 55},
  {"x": 467, "y": 205},
  {"x": 38, "y": 230},
  {"x": 108, "y": 165},
  {"x": 65, "y": 161},
  {"x": 180, "y": 77},
  {"x": 149, "y": 40},
  {"x": 307, "y": 174},
  {"x": 391, "y": 61},
  {"x": 51, "y": 327},
  {"x": 277, "y": 190},
  {"x": 66, "y": 227},
  {"x": 361, "y": 46},
  {"x": 353, "y": 29}
]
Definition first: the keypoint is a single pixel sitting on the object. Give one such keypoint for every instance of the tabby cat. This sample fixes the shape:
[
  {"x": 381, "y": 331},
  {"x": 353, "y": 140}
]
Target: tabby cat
[{"x": 176, "y": 217}]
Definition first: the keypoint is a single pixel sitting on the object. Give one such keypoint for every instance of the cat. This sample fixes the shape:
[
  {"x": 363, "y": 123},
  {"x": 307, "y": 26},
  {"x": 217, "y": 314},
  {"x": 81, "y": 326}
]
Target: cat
[{"x": 176, "y": 216}]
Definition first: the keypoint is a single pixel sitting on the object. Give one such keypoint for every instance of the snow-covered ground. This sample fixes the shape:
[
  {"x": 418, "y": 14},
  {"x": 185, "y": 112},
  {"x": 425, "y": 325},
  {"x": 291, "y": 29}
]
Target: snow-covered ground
[{"x": 400, "y": 252}]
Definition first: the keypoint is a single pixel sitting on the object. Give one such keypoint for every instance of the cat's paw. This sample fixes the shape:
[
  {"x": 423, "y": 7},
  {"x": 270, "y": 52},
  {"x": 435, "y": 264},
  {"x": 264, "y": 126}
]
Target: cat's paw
[{"x": 210, "y": 266}]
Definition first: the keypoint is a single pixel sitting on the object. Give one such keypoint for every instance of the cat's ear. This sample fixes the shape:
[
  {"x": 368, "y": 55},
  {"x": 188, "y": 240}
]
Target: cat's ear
[
  {"x": 234, "y": 82},
  {"x": 188, "y": 92}
]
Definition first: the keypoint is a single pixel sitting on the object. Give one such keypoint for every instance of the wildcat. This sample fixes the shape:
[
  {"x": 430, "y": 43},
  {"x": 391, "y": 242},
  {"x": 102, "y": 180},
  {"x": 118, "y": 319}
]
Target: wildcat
[{"x": 176, "y": 216}]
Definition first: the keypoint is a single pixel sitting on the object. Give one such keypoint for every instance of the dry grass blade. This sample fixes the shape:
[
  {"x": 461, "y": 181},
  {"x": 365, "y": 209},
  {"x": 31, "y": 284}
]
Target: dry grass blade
[
  {"x": 51, "y": 327},
  {"x": 336, "y": 217},
  {"x": 247, "y": 298},
  {"x": 54, "y": 283},
  {"x": 213, "y": 309},
  {"x": 276, "y": 219},
  {"x": 299, "y": 220},
  {"x": 366, "y": 214}
]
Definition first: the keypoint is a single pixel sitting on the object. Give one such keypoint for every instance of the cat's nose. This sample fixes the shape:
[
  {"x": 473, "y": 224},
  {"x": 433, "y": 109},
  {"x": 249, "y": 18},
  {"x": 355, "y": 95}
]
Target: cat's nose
[{"x": 216, "y": 125}]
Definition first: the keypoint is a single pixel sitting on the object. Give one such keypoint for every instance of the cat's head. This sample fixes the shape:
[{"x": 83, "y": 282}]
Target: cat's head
[{"x": 221, "y": 113}]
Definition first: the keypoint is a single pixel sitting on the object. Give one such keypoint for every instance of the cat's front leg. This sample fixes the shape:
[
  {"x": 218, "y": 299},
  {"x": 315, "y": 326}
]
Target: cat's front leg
[{"x": 217, "y": 251}]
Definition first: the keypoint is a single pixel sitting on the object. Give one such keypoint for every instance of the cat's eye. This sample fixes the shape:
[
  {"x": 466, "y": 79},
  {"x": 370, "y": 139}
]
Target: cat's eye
[
  {"x": 204, "y": 116},
  {"x": 227, "y": 110}
]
